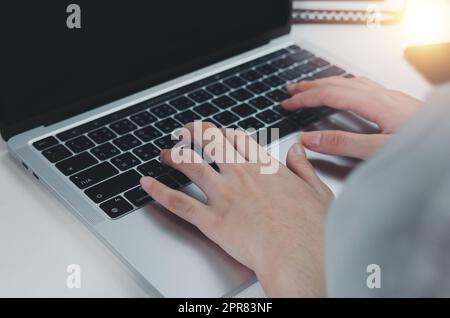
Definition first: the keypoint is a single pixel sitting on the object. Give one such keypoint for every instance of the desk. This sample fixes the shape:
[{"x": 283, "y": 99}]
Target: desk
[{"x": 39, "y": 238}]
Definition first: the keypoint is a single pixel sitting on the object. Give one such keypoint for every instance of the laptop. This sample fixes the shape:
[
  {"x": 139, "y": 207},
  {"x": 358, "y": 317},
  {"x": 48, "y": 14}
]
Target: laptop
[{"x": 86, "y": 111}]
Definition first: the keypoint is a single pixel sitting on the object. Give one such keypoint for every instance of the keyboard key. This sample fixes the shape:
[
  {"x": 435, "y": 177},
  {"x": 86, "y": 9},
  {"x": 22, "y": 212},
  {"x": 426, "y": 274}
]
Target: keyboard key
[
  {"x": 285, "y": 127},
  {"x": 182, "y": 103},
  {"x": 105, "y": 151},
  {"x": 258, "y": 88},
  {"x": 266, "y": 69},
  {"x": 308, "y": 78},
  {"x": 187, "y": 117},
  {"x": 111, "y": 187},
  {"x": 123, "y": 126},
  {"x": 277, "y": 54},
  {"x": 294, "y": 48},
  {"x": 152, "y": 168},
  {"x": 261, "y": 102},
  {"x": 277, "y": 131},
  {"x": 269, "y": 116},
  {"x": 45, "y": 143},
  {"x": 138, "y": 197},
  {"x": 217, "y": 89},
  {"x": 277, "y": 95},
  {"x": 290, "y": 75},
  {"x": 143, "y": 119},
  {"x": 224, "y": 102},
  {"x": 226, "y": 118},
  {"x": 282, "y": 63},
  {"x": 168, "y": 181},
  {"x": 304, "y": 118},
  {"x": 215, "y": 123},
  {"x": 274, "y": 81},
  {"x": 76, "y": 163},
  {"x": 127, "y": 142},
  {"x": 103, "y": 121},
  {"x": 283, "y": 112},
  {"x": 180, "y": 178},
  {"x": 235, "y": 82},
  {"x": 124, "y": 113},
  {"x": 168, "y": 125},
  {"x": 148, "y": 133},
  {"x": 243, "y": 110},
  {"x": 125, "y": 161},
  {"x": 82, "y": 129},
  {"x": 116, "y": 207},
  {"x": 163, "y": 111},
  {"x": 319, "y": 62},
  {"x": 251, "y": 75},
  {"x": 206, "y": 109},
  {"x": 166, "y": 142},
  {"x": 79, "y": 144},
  {"x": 305, "y": 68},
  {"x": 241, "y": 95},
  {"x": 56, "y": 153},
  {"x": 94, "y": 175},
  {"x": 332, "y": 71},
  {"x": 200, "y": 96},
  {"x": 301, "y": 56},
  {"x": 250, "y": 123},
  {"x": 146, "y": 152},
  {"x": 102, "y": 135}
]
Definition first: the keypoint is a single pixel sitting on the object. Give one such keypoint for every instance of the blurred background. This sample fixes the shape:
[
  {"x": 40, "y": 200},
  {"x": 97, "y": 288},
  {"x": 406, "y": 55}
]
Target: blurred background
[{"x": 421, "y": 21}]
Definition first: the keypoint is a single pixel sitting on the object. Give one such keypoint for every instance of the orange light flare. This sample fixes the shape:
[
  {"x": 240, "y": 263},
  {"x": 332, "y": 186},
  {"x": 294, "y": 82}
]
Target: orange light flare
[{"x": 427, "y": 21}]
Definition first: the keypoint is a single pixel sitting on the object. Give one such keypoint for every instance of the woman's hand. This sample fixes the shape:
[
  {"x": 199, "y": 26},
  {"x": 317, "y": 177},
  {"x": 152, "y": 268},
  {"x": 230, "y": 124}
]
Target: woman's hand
[
  {"x": 272, "y": 223},
  {"x": 388, "y": 109}
]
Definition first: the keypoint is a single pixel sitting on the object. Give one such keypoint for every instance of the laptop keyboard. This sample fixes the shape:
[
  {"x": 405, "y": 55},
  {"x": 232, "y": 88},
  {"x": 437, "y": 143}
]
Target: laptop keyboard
[{"x": 105, "y": 158}]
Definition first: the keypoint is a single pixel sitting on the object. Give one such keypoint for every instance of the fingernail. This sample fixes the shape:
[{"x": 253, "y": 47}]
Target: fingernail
[
  {"x": 312, "y": 138},
  {"x": 284, "y": 103},
  {"x": 299, "y": 150},
  {"x": 291, "y": 87},
  {"x": 162, "y": 153},
  {"x": 146, "y": 182}
]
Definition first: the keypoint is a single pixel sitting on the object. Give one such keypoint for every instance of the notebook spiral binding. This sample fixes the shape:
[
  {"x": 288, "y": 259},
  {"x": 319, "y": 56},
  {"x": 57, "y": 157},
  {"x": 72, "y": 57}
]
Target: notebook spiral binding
[{"x": 303, "y": 16}]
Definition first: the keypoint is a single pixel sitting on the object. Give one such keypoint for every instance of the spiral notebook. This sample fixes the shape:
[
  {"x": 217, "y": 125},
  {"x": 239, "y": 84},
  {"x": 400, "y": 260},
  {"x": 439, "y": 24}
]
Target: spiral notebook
[{"x": 348, "y": 12}]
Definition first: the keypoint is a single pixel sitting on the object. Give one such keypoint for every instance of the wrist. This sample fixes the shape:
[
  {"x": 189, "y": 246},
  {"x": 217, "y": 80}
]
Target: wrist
[{"x": 296, "y": 270}]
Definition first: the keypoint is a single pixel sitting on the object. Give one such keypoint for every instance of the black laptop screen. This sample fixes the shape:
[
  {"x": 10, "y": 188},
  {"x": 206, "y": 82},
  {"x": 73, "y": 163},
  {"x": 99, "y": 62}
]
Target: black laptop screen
[{"x": 50, "y": 71}]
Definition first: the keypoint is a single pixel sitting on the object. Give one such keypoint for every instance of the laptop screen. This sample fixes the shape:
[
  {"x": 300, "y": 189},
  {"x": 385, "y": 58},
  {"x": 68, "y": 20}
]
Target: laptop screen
[{"x": 52, "y": 69}]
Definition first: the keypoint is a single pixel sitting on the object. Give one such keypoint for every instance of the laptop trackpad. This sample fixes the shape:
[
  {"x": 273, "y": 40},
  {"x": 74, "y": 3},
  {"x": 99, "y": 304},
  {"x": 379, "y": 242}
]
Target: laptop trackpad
[{"x": 174, "y": 256}]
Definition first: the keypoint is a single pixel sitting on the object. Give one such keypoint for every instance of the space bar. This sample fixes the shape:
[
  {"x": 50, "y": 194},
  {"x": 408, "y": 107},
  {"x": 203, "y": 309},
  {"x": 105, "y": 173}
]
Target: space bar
[
  {"x": 266, "y": 136},
  {"x": 113, "y": 186}
]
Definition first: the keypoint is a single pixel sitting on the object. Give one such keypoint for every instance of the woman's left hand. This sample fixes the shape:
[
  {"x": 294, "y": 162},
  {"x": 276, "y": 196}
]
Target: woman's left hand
[{"x": 271, "y": 222}]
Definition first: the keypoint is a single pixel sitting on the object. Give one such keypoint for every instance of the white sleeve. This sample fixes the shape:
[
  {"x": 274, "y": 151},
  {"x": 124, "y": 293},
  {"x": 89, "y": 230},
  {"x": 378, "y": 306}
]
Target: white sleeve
[{"x": 394, "y": 212}]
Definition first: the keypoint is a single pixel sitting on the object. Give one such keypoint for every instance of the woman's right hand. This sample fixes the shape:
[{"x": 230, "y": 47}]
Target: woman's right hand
[{"x": 387, "y": 108}]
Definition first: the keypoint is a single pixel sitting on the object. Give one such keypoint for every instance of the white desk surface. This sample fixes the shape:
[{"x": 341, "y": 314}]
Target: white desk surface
[{"x": 39, "y": 238}]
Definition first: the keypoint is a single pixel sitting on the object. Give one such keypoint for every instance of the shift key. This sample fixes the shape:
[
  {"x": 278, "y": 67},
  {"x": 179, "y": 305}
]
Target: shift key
[
  {"x": 96, "y": 174},
  {"x": 113, "y": 186}
]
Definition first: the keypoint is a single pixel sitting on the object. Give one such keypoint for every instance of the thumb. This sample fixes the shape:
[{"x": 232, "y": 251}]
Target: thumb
[
  {"x": 299, "y": 164},
  {"x": 341, "y": 143}
]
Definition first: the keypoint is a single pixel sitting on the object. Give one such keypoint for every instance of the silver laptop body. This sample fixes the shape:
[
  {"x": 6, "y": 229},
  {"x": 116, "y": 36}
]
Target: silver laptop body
[{"x": 168, "y": 256}]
